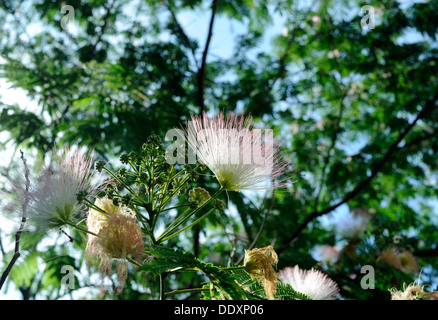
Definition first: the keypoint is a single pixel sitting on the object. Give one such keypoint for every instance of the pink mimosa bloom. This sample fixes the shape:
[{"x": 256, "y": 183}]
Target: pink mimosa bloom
[
  {"x": 118, "y": 237},
  {"x": 51, "y": 199},
  {"x": 313, "y": 283},
  {"x": 326, "y": 253},
  {"x": 236, "y": 152}
]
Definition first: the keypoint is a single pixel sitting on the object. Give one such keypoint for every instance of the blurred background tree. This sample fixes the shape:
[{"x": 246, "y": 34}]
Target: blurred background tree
[{"x": 355, "y": 107}]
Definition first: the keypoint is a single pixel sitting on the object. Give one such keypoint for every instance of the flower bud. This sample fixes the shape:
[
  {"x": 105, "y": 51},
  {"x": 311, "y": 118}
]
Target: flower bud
[
  {"x": 198, "y": 196},
  {"x": 219, "y": 205}
]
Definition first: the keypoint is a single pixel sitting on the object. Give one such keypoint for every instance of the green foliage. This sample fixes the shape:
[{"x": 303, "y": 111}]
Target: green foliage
[
  {"x": 23, "y": 273},
  {"x": 225, "y": 283},
  {"x": 170, "y": 260},
  {"x": 286, "y": 292},
  {"x": 338, "y": 96}
]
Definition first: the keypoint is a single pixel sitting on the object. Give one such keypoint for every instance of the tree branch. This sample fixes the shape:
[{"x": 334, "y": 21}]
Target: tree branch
[
  {"x": 102, "y": 31},
  {"x": 259, "y": 233},
  {"x": 2, "y": 250},
  {"x": 280, "y": 74},
  {"x": 183, "y": 34},
  {"x": 282, "y": 61},
  {"x": 20, "y": 229},
  {"x": 265, "y": 218},
  {"x": 394, "y": 147},
  {"x": 427, "y": 253},
  {"x": 196, "y": 240},
  {"x": 329, "y": 151},
  {"x": 201, "y": 73}
]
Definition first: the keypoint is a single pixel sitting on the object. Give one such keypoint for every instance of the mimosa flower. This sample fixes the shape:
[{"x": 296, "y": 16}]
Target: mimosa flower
[
  {"x": 313, "y": 283},
  {"x": 118, "y": 237},
  {"x": 412, "y": 292},
  {"x": 52, "y": 195},
  {"x": 326, "y": 253},
  {"x": 236, "y": 152},
  {"x": 259, "y": 264},
  {"x": 409, "y": 262},
  {"x": 404, "y": 261},
  {"x": 355, "y": 224}
]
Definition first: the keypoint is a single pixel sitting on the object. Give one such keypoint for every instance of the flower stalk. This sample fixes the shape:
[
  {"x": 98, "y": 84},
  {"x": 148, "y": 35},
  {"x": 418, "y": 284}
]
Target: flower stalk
[{"x": 184, "y": 217}]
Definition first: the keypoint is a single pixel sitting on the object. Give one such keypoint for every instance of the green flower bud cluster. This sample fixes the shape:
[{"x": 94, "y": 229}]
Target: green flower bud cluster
[
  {"x": 192, "y": 172},
  {"x": 177, "y": 182},
  {"x": 198, "y": 196},
  {"x": 147, "y": 183},
  {"x": 219, "y": 205},
  {"x": 100, "y": 165}
]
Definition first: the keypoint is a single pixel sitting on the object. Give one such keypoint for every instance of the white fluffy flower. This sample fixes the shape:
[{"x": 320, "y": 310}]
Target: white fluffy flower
[
  {"x": 241, "y": 157},
  {"x": 326, "y": 253},
  {"x": 354, "y": 224},
  {"x": 313, "y": 283},
  {"x": 51, "y": 200},
  {"x": 412, "y": 292}
]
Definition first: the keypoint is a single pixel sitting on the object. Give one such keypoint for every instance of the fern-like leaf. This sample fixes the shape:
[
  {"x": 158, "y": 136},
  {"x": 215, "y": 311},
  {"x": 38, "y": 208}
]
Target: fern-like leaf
[{"x": 286, "y": 292}]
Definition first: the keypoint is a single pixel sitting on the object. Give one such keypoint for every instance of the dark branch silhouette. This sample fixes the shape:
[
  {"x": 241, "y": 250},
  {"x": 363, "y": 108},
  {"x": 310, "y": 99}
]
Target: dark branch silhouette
[
  {"x": 201, "y": 73},
  {"x": 393, "y": 148},
  {"x": 279, "y": 75},
  {"x": 427, "y": 253},
  {"x": 20, "y": 229},
  {"x": 183, "y": 34}
]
